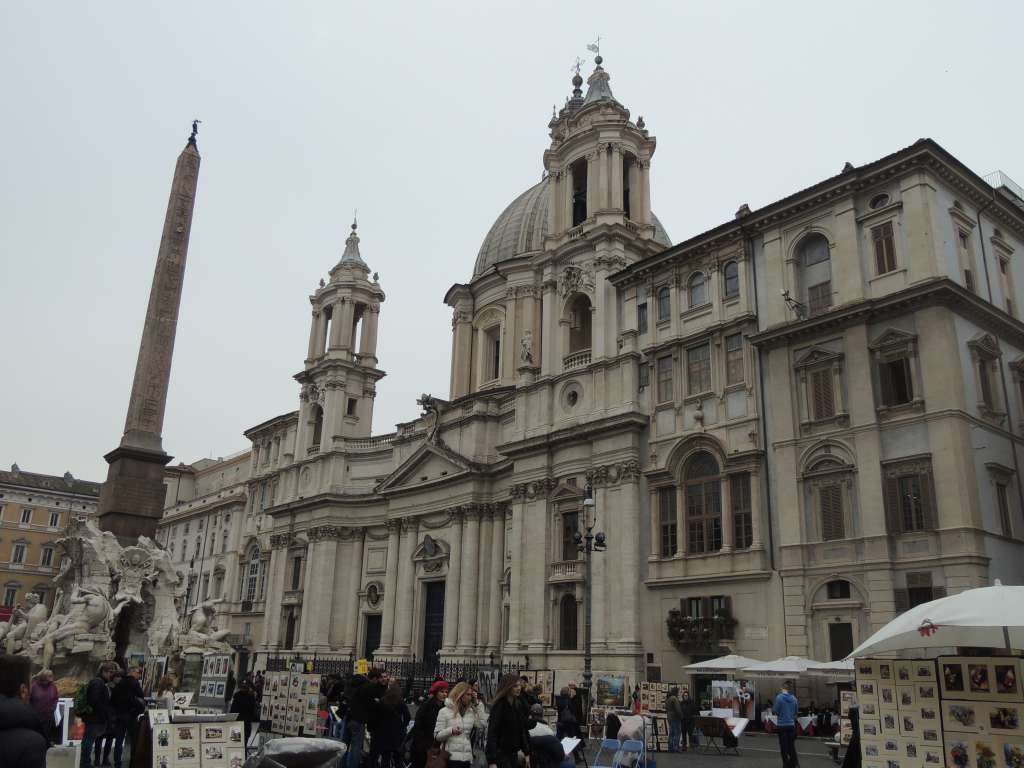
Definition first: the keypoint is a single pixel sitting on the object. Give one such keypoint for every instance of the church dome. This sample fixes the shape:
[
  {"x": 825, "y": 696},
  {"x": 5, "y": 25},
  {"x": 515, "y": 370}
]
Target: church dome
[{"x": 521, "y": 227}]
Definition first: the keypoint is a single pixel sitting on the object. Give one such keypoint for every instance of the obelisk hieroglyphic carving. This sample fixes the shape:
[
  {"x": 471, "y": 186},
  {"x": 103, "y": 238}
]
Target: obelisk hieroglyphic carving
[{"x": 132, "y": 499}]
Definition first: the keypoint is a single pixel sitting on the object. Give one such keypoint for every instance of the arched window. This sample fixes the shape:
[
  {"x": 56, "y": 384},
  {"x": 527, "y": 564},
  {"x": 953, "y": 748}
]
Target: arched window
[
  {"x": 318, "y": 424},
  {"x": 703, "y": 503},
  {"x": 815, "y": 274},
  {"x": 568, "y": 631},
  {"x": 696, "y": 289},
  {"x": 252, "y": 575},
  {"x": 579, "y": 324},
  {"x": 731, "y": 279},
  {"x": 664, "y": 303},
  {"x": 838, "y": 590}
]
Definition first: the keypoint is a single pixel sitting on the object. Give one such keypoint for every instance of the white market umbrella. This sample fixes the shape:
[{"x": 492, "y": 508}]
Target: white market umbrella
[
  {"x": 842, "y": 669},
  {"x": 986, "y": 617},
  {"x": 730, "y": 663},
  {"x": 787, "y": 666}
]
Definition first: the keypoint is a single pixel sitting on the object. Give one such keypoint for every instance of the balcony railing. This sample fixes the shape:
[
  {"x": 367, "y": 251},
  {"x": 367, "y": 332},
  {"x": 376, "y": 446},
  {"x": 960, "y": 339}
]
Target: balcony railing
[
  {"x": 580, "y": 359},
  {"x": 381, "y": 441},
  {"x": 695, "y": 635},
  {"x": 567, "y": 569},
  {"x": 315, "y": 448},
  {"x": 247, "y": 606}
]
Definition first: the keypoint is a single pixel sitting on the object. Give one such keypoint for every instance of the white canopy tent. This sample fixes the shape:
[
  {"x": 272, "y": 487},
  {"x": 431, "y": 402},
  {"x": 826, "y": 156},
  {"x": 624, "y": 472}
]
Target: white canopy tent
[
  {"x": 787, "y": 666},
  {"x": 834, "y": 670},
  {"x": 723, "y": 664},
  {"x": 986, "y": 617}
]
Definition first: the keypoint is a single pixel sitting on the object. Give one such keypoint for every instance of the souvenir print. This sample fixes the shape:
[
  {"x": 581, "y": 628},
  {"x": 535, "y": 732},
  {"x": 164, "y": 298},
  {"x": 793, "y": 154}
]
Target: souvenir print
[{"x": 977, "y": 677}]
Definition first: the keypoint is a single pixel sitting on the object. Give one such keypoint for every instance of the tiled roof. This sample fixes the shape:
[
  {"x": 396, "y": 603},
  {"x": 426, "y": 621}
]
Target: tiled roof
[{"x": 57, "y": 484}]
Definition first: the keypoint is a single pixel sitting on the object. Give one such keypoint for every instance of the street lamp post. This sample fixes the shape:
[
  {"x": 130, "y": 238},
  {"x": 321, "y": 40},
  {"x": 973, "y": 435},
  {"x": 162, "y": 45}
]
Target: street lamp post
[{"x": 588, "y": 543}]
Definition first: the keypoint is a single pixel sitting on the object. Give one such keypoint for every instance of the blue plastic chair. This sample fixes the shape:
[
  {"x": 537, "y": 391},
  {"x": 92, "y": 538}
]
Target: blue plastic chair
[
  {"x": 612, "y": 747},
  {"x": 631, "y": 753}
]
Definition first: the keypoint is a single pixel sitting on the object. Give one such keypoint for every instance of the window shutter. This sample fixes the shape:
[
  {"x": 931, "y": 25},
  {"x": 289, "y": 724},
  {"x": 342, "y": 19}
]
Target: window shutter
[
  {"x": 831, "y": 512},
  {"x": 902, "y": 600},
  {"x": 986, "y": 385},
  {"x": 878, "y": 236},
  {"x": 822, "y": 394},
  {"x": 892, "y": 505},
  {"x": 705, "y": 607},
  {"x": 885, "y": 382},
  {"x": 928, "y": 500}
]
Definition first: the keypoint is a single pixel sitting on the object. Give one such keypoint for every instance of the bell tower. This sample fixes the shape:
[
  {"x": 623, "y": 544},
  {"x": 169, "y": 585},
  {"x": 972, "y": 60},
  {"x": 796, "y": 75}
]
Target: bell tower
[
  {"x": 340, "y": 376},
  {"x": 599, "y": 163}
]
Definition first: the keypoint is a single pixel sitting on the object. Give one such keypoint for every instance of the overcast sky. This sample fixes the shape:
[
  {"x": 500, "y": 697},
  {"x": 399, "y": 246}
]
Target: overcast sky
[{"x": 429, "y": 117}]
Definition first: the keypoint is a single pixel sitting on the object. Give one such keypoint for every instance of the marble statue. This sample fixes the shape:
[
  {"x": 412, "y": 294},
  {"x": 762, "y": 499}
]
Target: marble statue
[
  {"x": 526, "y": 350},
  {"x": 202, "y": 635},
  {"x": 25, "y": 622}
]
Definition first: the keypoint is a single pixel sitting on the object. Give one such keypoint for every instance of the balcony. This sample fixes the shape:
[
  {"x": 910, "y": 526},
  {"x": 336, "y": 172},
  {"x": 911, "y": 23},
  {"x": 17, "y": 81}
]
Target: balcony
[
  {"x": 580, "y": 359},
  {"x": 247, "y": 606},
  {"x": 696, "y": 635},
  {"x": 315, "y": 448},
  {"x": 566, "y": 570}
]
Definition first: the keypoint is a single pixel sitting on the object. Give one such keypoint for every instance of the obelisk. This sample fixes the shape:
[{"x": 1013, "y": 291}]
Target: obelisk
[{"x": 132, "y": 499}]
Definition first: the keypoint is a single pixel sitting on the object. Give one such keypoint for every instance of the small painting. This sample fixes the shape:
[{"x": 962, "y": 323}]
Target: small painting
[
  {"x": 985, "y": 754},
  {"x": 924, "y": 670},
  {"x": 867, "y": 689},
  {"x": 931, "y": 735},
  {"x": 903, "y": 671},
  {"x": 926, "y": 691},
  {"x": 960, "y": 716},
  {"x": 868, "y": 709},
  {"x": 1003, "y": 718},
  {"x": 977, "y": 676},
  {"x": 1006, "y": 680},
  {"x": 887, "y": 696},
  {"x": 884, "y": 670},
  {"x": 952, "y": 678},
  {"x": 905, "y": 696},
  {"x": 931, "y": 756},
  {"x": 958, "y": 754},
  {"x": 1013, "y": 754},
  {"x": 869, "y": 729},
  {"x": 929, "y": 713},
  {"x": 871, "y": 749}
]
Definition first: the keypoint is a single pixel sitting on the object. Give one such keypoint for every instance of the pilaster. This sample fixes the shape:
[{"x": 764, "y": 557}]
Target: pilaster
[{"x": 452, "y": 587}]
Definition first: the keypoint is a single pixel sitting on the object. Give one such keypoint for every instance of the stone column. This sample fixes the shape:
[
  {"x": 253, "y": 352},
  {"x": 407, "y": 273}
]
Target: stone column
[
  {"x": 387, "y": 632},
  {"x": 510, "y": 342},
  {"x": 517, "y": 593},
  {"x": 727, "y": 527},
  {"x": 368, "y": 342},
  {"x": 469, "y": 584},
  {"x": 355, "y": 584},
  {"x": 599, "y": 316},
  {"x": 337, "y": 322},
  {"x": 274, "y": 593},
  {"x": 452, "y": 586},
  {"x": 615, "y": 187},
  {"x": 554, "y": 202},
  {"x": 462, "y": 353},
  {"x": 635, "y": 195},
  {"x": 405, "y": 600},
  {"x": 318, "y": 601},
  {"x": 493, "y": 583},
  {"x": 599, "y": 591},
  {"x": 549, "y": 322},
  {"x": 566, "y": 201},
  {"x": 645, "y": 191},
  {"x": 655, "y": 523},
  {"x": 629, "y": 574},
  {"x": 593, "y": 180},
  {"x": 313, "y": 333},
  {"x": 344, "y": 320},
  {"x": 482, "y": 577},
  {"x": 306, "y": 615},
  {"x": 603, "y": 177},
  {"x": 321, "y": 334}
]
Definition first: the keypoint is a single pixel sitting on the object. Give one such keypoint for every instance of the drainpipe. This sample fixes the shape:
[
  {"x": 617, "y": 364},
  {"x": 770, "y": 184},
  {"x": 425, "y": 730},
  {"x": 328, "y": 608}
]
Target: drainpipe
[{"x": 1002, "y": 370}]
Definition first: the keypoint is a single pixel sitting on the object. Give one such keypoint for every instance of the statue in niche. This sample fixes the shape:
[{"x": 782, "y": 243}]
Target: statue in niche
[{"x": 526, "y": 348}]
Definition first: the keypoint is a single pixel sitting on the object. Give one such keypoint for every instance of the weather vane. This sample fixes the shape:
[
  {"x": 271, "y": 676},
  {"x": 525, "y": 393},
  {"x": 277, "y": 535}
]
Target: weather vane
[
  {"x": 595, "y": 47},
  {"x": 355, "y": 218},
  {"x": 575, "y": 69}
]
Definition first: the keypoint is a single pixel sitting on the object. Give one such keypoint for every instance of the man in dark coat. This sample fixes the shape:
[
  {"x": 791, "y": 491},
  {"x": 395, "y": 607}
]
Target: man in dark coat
[
  {"x": 128, "y": 702},
  {"x": 688, "y": 717},
  {"x": 244, "y": 704},
  {"x": 363, "y": 695},
  {"x": 100, "y": 717},
  {"x": 23, "y": 742}
]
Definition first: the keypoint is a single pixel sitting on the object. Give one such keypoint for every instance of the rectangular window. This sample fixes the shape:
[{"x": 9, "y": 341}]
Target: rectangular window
[
  {"x": 296, "y": 572},
  {"x": 641, "y": 318},
  {"x": 665, "y": 379},
  {"x": 1002, "y": 500},
  {"x": 819, "y": 297},
  {"x": 247, "y": 631},
  {"x": 742, "y": 518},
  {"x": 570, "y": 527},
  {"x": 908, "y": 497},
  {"x": 350, "y": 407},
  {"x": 734, "y": 359},
  {"x": 644, "y": 376},
  {"x": 10, "y": 595},
  {"x": 18, "y": 554},
  {"x": 830, "y": 499},
  {"x": 894, "y": 380},
  {"x": 47, "y": 557},
  {"x": 823, "y": 402},
  {"x": 911, "y": 509},
  {"x": 664, "y": 303},
  {"x": 885, "y": 248},
  {"x": 704, "y": 516},
  {"x": 698, "y": 369},
  {"x": 695, "y": 608},
  {"x": 919, "y": 589},
  {"x": 720, "y": 606},
  {"x": 26, "y": 516},
  {"x": 667, "y": 521},
  {"x": 492, "y": 352},
  {"x": 966, "y": 258},
  {"x": 55, "y": 519}
]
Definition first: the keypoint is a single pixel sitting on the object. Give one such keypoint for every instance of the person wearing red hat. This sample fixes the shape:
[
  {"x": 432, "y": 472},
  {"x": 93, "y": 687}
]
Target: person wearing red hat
[{"x": 426, "y": 721}]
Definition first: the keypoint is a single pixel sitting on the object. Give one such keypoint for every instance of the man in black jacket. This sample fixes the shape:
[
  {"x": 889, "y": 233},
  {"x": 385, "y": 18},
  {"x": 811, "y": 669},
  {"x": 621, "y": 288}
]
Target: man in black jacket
[
  {"x": 128, "y": 702},
  {"x": 100, "y": 716},
  {"x": 22, "y": 741},
  {"x": 363, "y": 694},
  {"x": 688, "y": 714}
]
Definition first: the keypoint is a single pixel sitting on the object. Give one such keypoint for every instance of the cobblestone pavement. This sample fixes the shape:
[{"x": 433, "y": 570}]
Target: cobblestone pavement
[{"x": 756, "y": 751}]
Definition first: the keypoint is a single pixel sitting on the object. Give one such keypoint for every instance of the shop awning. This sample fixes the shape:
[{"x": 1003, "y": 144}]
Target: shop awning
[{"x": 730, "y": 663}]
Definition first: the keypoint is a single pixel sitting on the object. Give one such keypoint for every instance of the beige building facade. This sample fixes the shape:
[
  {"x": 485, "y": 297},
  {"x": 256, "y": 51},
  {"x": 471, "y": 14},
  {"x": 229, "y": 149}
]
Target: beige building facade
[
  {"x": 34, "y": 511},
  {"x": 793, "y": 426}
]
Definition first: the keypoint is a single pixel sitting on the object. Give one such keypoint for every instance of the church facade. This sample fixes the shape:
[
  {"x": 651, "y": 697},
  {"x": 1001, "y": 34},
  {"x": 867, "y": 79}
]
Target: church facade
[{"x": 791, "y": 427}]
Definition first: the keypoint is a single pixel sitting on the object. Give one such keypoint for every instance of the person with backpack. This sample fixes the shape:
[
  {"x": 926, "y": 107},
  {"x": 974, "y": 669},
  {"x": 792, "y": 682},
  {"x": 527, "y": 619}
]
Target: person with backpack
[
  {"x": 92, "y": 705},
  {"x": 128, "y": 703},
  {"x": 23, "y": 743}
]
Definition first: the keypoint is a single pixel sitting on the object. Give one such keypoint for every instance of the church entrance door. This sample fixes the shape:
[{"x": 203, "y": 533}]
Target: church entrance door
[
  {"x": 433, "y": 621},
  {"x": 373, "y": 625}
]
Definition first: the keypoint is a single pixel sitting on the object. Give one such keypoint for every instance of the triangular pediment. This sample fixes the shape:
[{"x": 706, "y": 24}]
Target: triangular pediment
[
  {"x": 430, "y": 463},
  {"x": 817, "y": 356},
  {"x": 566, "y": 493},
  {"x": 985, "y": 344},
  {"x": 893, "y": 337}
]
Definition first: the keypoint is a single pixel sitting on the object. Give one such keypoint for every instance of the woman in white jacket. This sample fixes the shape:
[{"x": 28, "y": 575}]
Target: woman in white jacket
[{"x": 455, "y": 722}]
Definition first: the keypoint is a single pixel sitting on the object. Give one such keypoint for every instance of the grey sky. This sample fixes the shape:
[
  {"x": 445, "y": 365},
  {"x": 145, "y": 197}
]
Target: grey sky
[{"x": 427, "y": 117}]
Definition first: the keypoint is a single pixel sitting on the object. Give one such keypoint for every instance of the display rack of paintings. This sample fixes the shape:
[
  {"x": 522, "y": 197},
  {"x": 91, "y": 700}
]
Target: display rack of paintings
[
  {"x": 213, "y": 683},
  {"x": 545, "y": 678},
  {"x": 310, "y": 693},
  {"x": 982, "y": 706},
  {"x": 899, "y": 704},
  {"x": 653, "y": 695},
  {"x": 198, "y": 745},
  {"x": 278, "y": 682}
]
